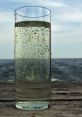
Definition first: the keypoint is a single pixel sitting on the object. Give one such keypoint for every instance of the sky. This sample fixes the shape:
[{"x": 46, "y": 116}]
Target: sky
[{"x": 66, "y": 25}]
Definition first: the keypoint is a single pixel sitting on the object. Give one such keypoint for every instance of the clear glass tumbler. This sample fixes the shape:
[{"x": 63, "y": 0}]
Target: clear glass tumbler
[{"x": 32, "y": 57}]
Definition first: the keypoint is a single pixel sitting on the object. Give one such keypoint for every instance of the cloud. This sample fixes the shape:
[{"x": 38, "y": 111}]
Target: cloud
[
  {"x": 6, "y": 43},
  {"x": 69, "y": 14},
  {"x": 70, "y": 17},
  {"x": 54, "y": 4},
  {"x": 6, "y": 16},
  {"x": 6, "y": 33},
  {"x": 67, "y": 44},
  {"x": 7, "y": 26},
  {"x": 55, "y": 28},
  {"x": 69, "y": 37},
  {"x": 49, "y": 3},
  {"x": 65, "y": 27},
  {"x": 6, "y": 40}
]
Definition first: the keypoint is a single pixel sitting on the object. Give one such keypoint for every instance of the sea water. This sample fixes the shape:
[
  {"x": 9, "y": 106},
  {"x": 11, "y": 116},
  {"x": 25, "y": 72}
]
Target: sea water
[{"x": 32, "y": 64}]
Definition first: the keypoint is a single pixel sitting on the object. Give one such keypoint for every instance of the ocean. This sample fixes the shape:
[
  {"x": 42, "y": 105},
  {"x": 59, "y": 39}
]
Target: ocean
[{"x": 61, "y": 70}]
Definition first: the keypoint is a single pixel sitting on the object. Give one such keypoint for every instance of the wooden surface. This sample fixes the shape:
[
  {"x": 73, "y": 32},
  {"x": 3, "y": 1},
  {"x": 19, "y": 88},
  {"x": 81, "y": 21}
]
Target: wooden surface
[{"x": 66, "y": 101}]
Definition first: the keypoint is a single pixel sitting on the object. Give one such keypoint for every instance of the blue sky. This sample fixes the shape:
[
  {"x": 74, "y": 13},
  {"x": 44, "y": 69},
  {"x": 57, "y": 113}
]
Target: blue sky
[{"x": 66, "y": 26}]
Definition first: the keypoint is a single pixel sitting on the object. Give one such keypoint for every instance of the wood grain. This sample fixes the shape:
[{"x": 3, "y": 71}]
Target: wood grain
[{"x": 66, "y": 101}]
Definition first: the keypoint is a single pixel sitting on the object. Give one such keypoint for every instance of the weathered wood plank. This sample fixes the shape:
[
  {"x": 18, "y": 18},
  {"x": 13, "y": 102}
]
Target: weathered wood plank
[
  {"x": 66, "y": 101},
  {"x": 60, "y": 90},
  {"x": 7, "y": 91},
  {"x": 58, "y": 109},
  {"x": 66, "y": 90}
]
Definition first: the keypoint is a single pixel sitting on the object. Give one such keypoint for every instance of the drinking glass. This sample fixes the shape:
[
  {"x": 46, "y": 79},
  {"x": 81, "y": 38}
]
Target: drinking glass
[{"x": 32, "y": 55}]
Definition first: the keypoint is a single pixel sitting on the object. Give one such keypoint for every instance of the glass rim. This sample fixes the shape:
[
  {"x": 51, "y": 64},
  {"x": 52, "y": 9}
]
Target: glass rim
[{"x": 49, "y": 11}]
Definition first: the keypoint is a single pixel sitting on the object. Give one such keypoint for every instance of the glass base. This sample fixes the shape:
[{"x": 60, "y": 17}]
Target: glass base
[{"x": 36, "y": 105}]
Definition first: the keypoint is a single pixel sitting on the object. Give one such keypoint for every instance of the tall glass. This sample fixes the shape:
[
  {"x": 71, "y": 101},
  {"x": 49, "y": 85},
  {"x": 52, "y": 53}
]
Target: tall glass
[{"x": 32, "y": 57}]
